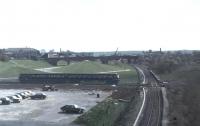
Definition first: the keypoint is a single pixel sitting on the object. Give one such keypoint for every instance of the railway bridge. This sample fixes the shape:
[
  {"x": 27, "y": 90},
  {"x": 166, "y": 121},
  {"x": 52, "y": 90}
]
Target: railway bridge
[{"x": 103, "y": 59}]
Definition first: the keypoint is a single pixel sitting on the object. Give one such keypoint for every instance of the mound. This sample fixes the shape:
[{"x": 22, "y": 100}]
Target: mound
[
  {"x": 126, "y": 72},
  {"x": 10, "y": 70}
]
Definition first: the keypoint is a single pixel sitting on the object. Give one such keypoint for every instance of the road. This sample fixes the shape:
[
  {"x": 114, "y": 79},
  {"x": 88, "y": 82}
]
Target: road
[{"x": 151, "y": 112}]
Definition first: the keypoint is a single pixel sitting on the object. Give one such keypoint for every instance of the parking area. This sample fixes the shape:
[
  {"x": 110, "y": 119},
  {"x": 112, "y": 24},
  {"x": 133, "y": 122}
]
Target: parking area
[{"x": 46, "y": 112}]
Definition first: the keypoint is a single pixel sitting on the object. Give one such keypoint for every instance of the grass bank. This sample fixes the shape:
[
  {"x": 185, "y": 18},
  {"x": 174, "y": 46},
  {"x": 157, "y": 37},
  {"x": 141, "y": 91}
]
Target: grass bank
[
  {"x": 104, "y": 114},
  {"x": 127, "y": 73},
  {"x": 9, "y": 69},
  {"x": 15, "y": 67},
  {"x": 32, "y": 64},
  {"x": 109, "y": 111}
]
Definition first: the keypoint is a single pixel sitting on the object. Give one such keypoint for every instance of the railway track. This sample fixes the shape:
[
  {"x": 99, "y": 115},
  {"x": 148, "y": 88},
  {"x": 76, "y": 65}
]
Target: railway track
[{"x": 152, "y": 111}]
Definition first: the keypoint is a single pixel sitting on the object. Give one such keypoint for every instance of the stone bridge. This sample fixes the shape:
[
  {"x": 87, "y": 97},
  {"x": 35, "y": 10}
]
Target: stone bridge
[{"x": 103, "y": 59}]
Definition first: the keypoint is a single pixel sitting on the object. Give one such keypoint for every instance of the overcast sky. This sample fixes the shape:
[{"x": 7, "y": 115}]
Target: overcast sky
[{"x": 100, "y": 25}]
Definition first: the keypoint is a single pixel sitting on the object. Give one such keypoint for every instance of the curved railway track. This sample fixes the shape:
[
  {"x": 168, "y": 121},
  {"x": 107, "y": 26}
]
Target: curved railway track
[{"x": 152, "y": 111}]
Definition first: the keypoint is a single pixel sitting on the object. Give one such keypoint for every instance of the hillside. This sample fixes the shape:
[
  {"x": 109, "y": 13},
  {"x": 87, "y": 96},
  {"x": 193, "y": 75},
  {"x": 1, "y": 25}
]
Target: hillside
[
  {"x": 15, "y": 67},
  {"x": 31, "y": 63},
  {"x": 126, "y": 72},
  {"x": 9, "y": 69}
]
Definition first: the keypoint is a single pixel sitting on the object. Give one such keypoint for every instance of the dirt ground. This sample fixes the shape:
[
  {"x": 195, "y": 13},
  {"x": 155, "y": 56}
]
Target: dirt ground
[{"x": 46, "y": 112}]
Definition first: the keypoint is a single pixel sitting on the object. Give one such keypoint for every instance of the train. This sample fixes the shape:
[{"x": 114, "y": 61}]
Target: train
[
  {"x": 53, "y": 78},
  {"x": 155, "y": 77}
]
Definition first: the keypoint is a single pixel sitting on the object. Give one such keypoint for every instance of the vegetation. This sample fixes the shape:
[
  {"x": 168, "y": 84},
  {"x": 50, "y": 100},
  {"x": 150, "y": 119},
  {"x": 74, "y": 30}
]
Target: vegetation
[
  {"x": 33, "y": 64},
  {"x": 15, "y": 71},
  {"x": 168, "y": 62},
  {"x": 183, "y": 95},
  {"x": 4, "y": 58},
  {"x": 126, "y": 72},
  {"x": 13, "y": 68},
  {"x": 182, "y": 72},
  {"x": 87, "y": 67},
  {"x": 8, "y": 69},
  {"x": 109, "y": 111},
  {"x": 104, "y": 114},
  {"x": 166, "y": 66}
]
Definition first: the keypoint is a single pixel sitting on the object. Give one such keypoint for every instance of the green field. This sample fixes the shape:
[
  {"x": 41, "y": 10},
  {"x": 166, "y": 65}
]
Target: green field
[
  {"x": 126, "y": 72},
  {"x": 31, "y": 64},
  {"x": 13, "y": 68},
  {"x": 87, "y": 67},
  {"x": 9, "y": 69}
]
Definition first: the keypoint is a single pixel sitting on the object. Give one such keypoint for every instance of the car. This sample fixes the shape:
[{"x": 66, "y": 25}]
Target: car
[
  {"x": 18, "y": 96},
  {"x": 72, "y": 109},
  {"x": 14, "y": 99},
  {"x": 23, "y": 95},
  {"x": 49, "y": 88},
  {"x": 5, "y": 101},
  {"x": 39, "y": 96},
  {"x": 28, "y": 93}
]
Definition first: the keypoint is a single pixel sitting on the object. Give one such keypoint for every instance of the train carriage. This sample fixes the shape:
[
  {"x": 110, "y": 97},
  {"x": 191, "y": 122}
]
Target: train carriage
[{"x": 69, "y": 78}]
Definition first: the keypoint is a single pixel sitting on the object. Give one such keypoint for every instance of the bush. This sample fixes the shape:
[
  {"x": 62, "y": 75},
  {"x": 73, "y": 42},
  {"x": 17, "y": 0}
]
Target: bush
[
  {"x": 4, "y": 58},
  {"x": 164, "y": 67},
  {"x": 183, "y": 95}
]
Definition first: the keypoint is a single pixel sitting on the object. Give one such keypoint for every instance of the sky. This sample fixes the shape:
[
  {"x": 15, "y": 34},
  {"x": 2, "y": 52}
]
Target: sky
[{"x": 100, "y": 25}]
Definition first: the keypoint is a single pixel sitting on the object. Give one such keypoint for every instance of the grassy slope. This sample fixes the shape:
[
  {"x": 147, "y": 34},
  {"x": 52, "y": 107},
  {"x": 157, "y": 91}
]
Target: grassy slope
[
  {"x": 103, "y": 114},
  {"x": 31, "y": 64},
  {"x": 107, "y": 112},
  {"x": 87, "y": 67},
  {"x": 96, "y": 67},
  {"x": 9, "y": 69},
  {"x": 15, "y": 67}
]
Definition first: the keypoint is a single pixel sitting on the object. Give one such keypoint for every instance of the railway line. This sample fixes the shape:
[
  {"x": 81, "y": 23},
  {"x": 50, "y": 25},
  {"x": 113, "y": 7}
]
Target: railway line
[{"x": 152, "y": 111}]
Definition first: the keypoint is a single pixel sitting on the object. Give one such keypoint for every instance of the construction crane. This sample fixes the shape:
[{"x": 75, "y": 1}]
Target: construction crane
[{"x": 116, "y": 52}]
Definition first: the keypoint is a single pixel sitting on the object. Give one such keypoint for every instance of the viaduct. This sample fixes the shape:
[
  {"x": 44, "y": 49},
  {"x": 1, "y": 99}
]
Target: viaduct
[{"x": 103, "y": 59}]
